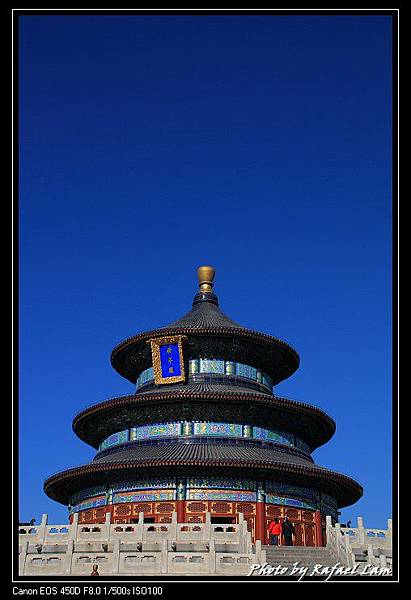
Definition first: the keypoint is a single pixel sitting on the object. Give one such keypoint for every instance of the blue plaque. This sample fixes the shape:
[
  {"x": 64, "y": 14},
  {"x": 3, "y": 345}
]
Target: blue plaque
[{"x": 168, "y": 360}]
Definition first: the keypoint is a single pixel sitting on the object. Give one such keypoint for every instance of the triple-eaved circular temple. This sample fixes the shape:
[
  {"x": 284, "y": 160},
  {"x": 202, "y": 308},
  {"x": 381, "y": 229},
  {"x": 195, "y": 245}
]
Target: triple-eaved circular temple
[{"x": 204, "y": 432}]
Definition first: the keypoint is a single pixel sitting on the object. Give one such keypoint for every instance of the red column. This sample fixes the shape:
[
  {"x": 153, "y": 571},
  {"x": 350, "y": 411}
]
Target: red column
[
  {"x": 260, "y": 521},
  {"x": 180, "y": 507},
  {"x": 318, "y": 529}
]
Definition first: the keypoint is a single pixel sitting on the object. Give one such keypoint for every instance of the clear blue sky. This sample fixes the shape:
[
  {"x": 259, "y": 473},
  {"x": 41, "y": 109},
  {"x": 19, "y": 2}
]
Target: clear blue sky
[{"x": 152, "y": 145}]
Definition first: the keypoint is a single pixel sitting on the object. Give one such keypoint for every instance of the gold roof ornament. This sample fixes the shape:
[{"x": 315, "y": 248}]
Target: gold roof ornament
[{"x": 206, "y": 278}]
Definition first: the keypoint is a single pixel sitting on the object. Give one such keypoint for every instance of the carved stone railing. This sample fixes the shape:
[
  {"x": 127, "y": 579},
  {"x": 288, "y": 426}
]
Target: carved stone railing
[
  {"x": 352, "y": 545},
  {"x": 338, "y": 545},
  {"x": 138, "y": 548},
  {"x": 365, "y": 536}
]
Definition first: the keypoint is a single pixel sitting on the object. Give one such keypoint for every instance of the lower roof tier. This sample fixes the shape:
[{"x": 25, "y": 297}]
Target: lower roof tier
[
  {"x": 203, "y": 402},
  {"x": 208, "y": 460}
]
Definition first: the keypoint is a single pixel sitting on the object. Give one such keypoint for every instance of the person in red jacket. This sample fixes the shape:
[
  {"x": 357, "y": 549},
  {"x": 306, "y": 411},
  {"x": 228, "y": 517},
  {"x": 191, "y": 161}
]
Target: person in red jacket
[
  {"x": 275, "y": 531},
  {"x": 94, "y": 572}
]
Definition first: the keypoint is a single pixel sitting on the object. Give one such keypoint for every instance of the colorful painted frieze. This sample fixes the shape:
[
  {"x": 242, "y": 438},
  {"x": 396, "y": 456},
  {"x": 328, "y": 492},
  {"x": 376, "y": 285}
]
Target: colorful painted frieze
[
  {"x": 212, "y": 494},
  {"x": 218, "y": 429},
  {"x": 144, "y": 484},
  {"x": 120, "y": 437},
  {"x": 142, "y": 496},
  {"x": 223, "y": 483},
  {"x": 213, "y": 365},
  {"x": 208, "y": 365},
  {"x": 88, "y": 493},
  {"x": 281, "y": 500},
  {"x": 91, "y": 503},
  {"x": 291, "y": 490},
  {"x": 155, "y": 430}
]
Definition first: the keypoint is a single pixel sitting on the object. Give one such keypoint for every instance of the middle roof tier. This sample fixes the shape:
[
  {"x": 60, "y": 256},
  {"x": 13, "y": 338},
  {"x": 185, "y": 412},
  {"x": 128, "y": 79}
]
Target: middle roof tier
[{"x": 203, "y": 402}]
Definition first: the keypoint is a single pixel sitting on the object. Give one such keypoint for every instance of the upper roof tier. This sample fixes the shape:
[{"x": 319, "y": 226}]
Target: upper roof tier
[{"x": 209, "y": 334}]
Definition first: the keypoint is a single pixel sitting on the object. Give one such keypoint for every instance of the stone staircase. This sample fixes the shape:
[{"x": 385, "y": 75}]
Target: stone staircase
[{"x": 305, "y": 556}]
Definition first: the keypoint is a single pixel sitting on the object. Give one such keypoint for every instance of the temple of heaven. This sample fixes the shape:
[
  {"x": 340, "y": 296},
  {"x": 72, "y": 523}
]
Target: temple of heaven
[{"x": 204, "y": 433}]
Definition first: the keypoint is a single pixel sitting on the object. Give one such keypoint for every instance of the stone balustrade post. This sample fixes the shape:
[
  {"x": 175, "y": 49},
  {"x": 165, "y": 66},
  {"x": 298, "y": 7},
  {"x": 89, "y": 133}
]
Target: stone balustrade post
[
  {"x": 68, "y": 559},
  {"x": 258, "y": 550},
  {"x": 73, "y": 528},
  {"x": 328, "y": 528},
  {"x": 240, "y": 530},
  {"x": 328, "y": 522},
  {"x": 370, "y": 554},
  {"x": 348, "y": 552},
  {"x": 383, "y": 560},
  {"x": 245, "y": 538},
  {"x": 172, "y": 527},
  {"x": 361, "y": 530},
  {"x": 164, "y": 556},
  {"x": 41, "y": 529},
  {"x": 140, "y": 526},
  {"x": 388, "y": 535},
  {"x": 330, "y": 535},
  {"x": 207, "y": 526},
  {"x": 116, "y": 556},
  {"x": 23, "y": 556},
  {"x": 338, "y": 536},
  {"x": 107, "y": 524},
  {"x": 212, "y": 557}
]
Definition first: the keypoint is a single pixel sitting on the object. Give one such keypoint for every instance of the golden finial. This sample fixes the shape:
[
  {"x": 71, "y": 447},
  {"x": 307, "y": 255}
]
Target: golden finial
[{"x": 206, "y": 278}]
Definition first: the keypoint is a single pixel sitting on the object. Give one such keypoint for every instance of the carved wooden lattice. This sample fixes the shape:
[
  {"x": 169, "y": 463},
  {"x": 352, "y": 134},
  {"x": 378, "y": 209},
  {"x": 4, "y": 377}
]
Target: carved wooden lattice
[
  {"x": 273, "y": 511},
  {"x": 221, "y": 507},
  {"x": 246, "y": 508},
  {"x": 250, "y": 525},
  {"x": 122, "y": 510},
  {"x": 143, "y": 507},
  {"x": 309, "y": 535},
  {"x": 164, "y": 520},
  {"x": 196, "y": 507},
  {"x": 307, "y": 515},
  {"x": 165, "y": 507},
  {"x": 195, "y": 519},
  {"x": 299, "y": 533},
  {"x": 86, "y": 516},
  {"x": 304, "y": 520},
  {"x": 292, "y": 514}
]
